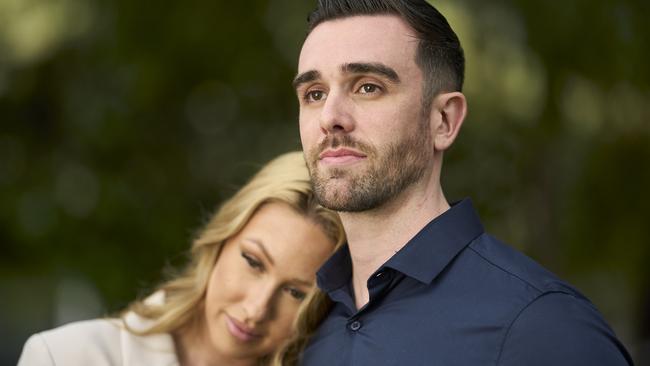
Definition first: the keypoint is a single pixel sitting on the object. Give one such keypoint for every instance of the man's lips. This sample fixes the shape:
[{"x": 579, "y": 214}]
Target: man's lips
[
  {"x": 340, "y": 156},
  {"x": 240, "y": 330}
]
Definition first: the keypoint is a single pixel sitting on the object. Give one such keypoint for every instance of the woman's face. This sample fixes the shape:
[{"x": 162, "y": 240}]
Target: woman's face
[{"x": 260, "y": 280}]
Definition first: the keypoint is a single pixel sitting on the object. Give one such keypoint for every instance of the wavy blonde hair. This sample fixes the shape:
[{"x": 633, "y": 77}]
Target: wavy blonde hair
[
  {"x": 286, "y": 180},
  {"x": 310, "y": 315}
]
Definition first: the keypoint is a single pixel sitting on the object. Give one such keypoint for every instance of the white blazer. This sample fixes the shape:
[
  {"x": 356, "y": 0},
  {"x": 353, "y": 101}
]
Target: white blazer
[{"x": 100, "y": 342}]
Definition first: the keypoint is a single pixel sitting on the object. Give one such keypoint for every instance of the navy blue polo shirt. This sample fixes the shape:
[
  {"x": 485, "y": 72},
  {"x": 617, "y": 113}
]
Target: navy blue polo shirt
[{"x": 454, "y": 295}]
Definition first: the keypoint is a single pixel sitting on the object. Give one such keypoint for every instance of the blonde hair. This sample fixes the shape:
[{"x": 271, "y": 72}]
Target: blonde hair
[
  {"x": 286, "y": 180},
  {"x": 310, "y": 315}
]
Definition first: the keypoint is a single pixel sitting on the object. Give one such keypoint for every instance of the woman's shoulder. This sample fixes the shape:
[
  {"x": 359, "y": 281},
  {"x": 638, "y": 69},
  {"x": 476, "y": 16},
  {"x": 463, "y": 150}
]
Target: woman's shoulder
[
  {"x": 104, "y": 328},
  {"x": 101, "y": 342},
  {"x": 96, "y": 341}
]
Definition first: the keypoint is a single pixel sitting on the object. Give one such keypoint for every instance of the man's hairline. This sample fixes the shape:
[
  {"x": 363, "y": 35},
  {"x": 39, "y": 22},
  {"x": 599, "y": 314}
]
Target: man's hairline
[{"x": 348, "y": 16}]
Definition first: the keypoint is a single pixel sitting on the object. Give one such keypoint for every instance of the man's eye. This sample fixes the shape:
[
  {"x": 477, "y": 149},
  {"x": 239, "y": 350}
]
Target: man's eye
[
  {"x": 369, "y": 88},
  {"x": 295, "y": 293},
  {"x": 314, "y": 96},
  {"x": 252, "y": 262}
]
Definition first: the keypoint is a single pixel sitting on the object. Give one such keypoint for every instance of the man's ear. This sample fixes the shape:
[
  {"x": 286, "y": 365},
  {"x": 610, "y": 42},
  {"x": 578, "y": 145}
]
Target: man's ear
[{"x": 448, "y": 113}]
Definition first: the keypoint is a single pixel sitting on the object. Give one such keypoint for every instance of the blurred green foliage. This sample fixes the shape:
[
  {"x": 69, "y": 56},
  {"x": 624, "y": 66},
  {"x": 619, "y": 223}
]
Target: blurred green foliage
[{"x": 123, "y": 124}]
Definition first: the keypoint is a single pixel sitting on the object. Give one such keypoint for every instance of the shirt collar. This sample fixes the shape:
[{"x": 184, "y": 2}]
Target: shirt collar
[
  {"x": 336, "y": 272},
  {"x": 424, "y": 256},
  {"x": 438, "y": 243}
]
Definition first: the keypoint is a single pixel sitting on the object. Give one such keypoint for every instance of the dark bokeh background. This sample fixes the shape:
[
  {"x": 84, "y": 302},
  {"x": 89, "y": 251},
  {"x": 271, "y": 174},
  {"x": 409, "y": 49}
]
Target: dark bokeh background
[{"x": 124, "y": 123}]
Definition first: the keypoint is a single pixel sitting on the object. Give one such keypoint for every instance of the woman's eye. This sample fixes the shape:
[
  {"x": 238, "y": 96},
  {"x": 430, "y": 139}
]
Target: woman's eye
[
  {"x": 252, "y": 262},
  {"x": 369, "y": 88},
  {"x": 295, "y": 293}
]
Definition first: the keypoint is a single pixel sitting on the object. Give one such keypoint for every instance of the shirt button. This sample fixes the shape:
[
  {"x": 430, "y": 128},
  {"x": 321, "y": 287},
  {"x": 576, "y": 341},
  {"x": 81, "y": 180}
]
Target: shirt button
[{"x": 355, "y": 325}]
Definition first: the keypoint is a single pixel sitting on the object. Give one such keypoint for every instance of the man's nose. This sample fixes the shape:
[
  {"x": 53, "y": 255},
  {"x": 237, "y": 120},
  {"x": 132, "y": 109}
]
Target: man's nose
[{"x": 336, "y": 114}]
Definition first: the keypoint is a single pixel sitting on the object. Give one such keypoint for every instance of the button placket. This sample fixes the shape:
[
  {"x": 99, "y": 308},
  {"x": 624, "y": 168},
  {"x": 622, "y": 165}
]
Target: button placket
[{"x": 355, "y": 325}]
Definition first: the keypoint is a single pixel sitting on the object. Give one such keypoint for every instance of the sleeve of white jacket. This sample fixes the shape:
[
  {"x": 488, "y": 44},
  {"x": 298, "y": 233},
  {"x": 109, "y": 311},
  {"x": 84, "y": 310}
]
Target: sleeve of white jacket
[{"x": 35, "y": 352}]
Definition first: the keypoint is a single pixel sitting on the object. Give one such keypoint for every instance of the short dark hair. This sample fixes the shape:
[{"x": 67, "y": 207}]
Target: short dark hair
[{"x": 439, "y": 54}]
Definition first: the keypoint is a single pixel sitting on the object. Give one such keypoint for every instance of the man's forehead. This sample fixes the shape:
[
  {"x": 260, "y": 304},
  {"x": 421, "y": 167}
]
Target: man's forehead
[{"x": 376, "y": 38}]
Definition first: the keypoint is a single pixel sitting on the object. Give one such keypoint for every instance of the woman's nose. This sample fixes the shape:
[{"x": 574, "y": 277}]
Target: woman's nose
[{"x": 259, "y": 303}]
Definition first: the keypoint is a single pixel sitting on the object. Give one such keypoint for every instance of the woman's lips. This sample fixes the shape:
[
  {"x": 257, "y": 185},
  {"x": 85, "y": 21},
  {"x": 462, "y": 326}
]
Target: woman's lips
[{"x": 240, "y": 331}]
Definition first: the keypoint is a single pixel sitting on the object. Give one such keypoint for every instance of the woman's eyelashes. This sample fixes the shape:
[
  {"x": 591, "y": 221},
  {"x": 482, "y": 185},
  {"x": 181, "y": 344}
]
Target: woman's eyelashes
[
  {"x": 258, "y": 266},
  {"x": 295, "y": 293},
  {"x": 253, "y": 262}
]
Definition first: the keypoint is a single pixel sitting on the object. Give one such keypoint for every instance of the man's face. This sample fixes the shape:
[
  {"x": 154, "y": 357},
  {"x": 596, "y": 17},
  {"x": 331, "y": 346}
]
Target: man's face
[{"x": 363, "y": 130}]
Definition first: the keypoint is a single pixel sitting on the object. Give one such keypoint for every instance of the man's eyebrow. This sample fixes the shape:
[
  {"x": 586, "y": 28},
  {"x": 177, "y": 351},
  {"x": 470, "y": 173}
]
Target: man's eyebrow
[
  {"x": 305, "y": 77},
  {"x": 371, "y": 68},
  {"x": 262, "y": 248}
]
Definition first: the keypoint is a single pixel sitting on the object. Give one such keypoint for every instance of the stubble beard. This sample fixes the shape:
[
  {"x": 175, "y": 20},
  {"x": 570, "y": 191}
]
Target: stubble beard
[{"x": 390, "y": 171}]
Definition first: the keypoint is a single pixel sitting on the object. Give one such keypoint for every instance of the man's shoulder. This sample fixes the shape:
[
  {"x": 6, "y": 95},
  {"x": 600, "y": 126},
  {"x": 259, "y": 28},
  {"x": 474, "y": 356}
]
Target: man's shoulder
[
  {"x": 548, "y": 320},
  {"x": 519, "y": 268}
]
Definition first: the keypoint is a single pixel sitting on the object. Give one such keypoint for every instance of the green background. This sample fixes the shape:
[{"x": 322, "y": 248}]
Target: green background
[{"x": 124, "y": 123}]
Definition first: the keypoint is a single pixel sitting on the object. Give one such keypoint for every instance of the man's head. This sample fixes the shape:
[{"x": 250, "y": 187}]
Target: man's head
[
  {"x": 439, "y": 53},
  {"x": 379, "y": 90}
]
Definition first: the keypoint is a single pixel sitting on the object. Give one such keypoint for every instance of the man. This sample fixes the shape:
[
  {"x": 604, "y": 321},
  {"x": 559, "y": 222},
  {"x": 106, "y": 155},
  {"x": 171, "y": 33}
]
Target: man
[{"x": 420, "y": 283}]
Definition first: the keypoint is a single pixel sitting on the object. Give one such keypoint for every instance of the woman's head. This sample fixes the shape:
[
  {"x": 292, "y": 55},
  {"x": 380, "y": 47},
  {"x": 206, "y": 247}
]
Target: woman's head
[
  {"x": 261, "y": 278},
  {"x": 252, "y": 263}
]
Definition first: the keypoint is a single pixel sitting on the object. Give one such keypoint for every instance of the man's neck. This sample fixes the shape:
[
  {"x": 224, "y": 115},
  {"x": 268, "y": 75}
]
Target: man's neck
[{"x": 375, "y": 236}]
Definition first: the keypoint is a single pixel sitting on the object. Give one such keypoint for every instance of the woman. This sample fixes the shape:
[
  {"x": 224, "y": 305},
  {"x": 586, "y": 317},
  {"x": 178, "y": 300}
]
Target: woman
[{"x": 252, "y": 271}]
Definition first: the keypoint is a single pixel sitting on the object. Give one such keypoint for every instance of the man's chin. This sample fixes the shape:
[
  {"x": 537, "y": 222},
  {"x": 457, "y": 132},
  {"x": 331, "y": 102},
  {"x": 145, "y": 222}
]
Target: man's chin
[
  {"x": 338, "y": 195},
  {"x": 331, "y": 189},
  {"x": 335, "y": 203},
  {"x": 342, "y": 203}
]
